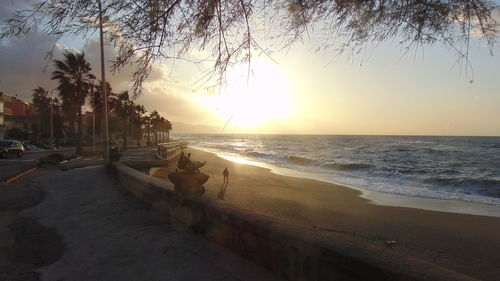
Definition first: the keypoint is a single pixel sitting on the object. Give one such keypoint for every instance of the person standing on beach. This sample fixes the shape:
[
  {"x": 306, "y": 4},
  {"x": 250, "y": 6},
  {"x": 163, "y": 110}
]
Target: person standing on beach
[
  {"x": 223, "y": 187},
  {"x": 225, "y": 173}
]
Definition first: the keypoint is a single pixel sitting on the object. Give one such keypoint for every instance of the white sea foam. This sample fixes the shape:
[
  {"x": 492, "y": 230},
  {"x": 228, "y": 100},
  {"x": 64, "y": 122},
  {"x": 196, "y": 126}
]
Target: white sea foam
[{"x": 447, "y": 168}]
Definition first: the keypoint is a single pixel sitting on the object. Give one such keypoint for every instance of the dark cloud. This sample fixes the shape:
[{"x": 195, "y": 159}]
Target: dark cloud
[
  {"x": 25, "y": 64},
  {"x": 119, "y": 80}
]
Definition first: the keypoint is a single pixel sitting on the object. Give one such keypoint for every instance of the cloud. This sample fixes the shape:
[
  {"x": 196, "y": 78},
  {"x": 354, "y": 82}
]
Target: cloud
[
  {"x": 24, "y": 60},
  {"x": 177, "y": 108},
  {"x": 169, "y": 92},
  {"x": 7, "y": 7},
  {"x": 120, "y": 80},
  {"x": 25, "y": 65}
]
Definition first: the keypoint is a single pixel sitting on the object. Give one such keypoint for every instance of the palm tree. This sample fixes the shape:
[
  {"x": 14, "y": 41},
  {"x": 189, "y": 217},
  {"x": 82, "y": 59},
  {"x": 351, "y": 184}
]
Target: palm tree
[
  {"x": 147, "y": 121},
  {"x": 161, "y": 128},
  {"x": 41, "y": 101},
  {"x": 125, "y": 110},
  {"x": 164, "y": 127},
  {"x": 75, "y": 83},
  {"x": 96, "y": 97},
  {"x": 154, "y": 118},
  {"x": 137, "y": 122},
  {"x": 96, "y": 101},
  {"x": 168, "y": 128}
]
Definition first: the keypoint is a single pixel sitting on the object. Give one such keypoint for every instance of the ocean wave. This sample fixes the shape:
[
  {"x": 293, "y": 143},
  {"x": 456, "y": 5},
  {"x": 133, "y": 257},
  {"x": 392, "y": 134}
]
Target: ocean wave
[
  {"x": 446, "y": 171},
  {"x": 253, "y": 153},
  {"x": 488, "y": 187},
  {"x": 349, "y": 166},
  {"x": 411, "y": 170},
  {"x": 299, "y": 160},
  {"x": 224, "y": 147},
  {"x": 494, "y": 145},
  {"x": 270, "y": 156},
  {"x": 415, "y": 166},
  {"x": 443, "y": 150}
]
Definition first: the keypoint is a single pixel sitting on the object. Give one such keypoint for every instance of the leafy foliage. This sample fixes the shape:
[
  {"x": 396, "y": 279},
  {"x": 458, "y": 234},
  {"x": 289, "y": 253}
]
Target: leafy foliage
[
  {"x": 149, "y": 30},
  {"x": 75, "y": 84},
  {"x": 16, "y": 134},
  {"x": 42, "y": 103},
  {"x": 51, "y": 159}
]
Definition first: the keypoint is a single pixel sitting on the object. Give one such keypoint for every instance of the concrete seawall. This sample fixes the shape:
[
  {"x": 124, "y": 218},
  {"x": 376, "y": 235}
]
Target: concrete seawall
[{"x": 293, "y": 251}]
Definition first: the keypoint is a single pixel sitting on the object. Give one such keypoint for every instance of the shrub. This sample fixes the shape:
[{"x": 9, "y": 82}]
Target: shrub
[
  {"x": 52, "y": 159},
  {"x": 88, "y": 153}
]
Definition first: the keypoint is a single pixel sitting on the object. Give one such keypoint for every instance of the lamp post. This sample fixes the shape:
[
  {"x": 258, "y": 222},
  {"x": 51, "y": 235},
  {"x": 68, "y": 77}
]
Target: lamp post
[
  {"x": 93, "y": 118},
  {"x": 51, "y": 120},
  {"x": 104, "y": 95}
]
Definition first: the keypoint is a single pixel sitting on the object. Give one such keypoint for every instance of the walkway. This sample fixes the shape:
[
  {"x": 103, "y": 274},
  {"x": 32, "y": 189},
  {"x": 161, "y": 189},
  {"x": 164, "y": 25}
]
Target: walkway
[
  {"x": 141, "y": 153},
  {"x": 109, "y": 235}
]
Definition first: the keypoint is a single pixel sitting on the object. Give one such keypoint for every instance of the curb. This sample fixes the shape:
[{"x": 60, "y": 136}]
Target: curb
[
  {"x": 17, "y": 176},
  {"x": 47, "y": 151}
]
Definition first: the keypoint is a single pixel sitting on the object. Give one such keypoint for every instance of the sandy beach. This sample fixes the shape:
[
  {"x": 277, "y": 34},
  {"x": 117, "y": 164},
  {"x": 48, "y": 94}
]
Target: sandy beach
[{"x": 467, "y": 244}]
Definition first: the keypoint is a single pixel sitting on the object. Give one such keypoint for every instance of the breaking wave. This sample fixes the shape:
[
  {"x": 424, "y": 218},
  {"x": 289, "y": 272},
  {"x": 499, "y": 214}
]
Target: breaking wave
[
  {"x": 457, "y": 168},
  {"x": 350, "y": 166}
]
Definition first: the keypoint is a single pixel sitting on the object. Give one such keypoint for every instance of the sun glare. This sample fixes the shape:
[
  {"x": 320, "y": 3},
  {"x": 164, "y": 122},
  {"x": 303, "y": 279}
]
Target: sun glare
[{"x": 251, "y": 99}]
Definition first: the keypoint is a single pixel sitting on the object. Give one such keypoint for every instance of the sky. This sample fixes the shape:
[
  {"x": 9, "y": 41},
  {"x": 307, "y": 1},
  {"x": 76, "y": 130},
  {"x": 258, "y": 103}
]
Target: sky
[{"x": 380, "y": 91}]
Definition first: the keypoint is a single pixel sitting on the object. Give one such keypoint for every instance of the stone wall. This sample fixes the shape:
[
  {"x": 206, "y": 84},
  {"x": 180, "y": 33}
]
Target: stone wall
[
  {"x": 292, "y": 251},
  {"x": 170, "y": 150}
]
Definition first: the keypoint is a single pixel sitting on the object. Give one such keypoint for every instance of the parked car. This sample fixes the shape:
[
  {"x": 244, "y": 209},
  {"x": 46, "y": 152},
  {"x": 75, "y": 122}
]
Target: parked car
[
  {"x": 11, "y": 148},
  {"x": 33, "y": 147},
  {"x": 43, "y": 145}
]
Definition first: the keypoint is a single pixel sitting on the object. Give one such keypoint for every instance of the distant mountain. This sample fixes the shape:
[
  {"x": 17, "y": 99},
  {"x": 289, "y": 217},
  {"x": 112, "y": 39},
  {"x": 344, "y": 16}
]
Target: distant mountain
[{"x": 184, "y": 128}]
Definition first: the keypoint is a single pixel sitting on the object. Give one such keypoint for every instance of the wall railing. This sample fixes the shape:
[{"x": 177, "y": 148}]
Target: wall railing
[{"x": 170, "y": 150}]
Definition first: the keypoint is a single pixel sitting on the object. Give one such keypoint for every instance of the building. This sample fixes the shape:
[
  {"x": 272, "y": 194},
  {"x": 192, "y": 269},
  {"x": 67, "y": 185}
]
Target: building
[
  {"x": 16, "y": 113},
  {"x": 16, "y": 106}
]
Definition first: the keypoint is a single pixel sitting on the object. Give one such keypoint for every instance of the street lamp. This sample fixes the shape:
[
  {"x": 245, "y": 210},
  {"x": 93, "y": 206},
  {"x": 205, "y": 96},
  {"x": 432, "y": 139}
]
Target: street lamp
[
  {"x": 51, "y": 120},
  {"x": 104, "y": 95},
  {"x": 93, "y": 118}
]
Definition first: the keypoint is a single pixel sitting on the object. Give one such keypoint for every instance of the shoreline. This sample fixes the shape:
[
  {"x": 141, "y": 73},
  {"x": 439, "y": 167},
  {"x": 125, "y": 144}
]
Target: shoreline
[
  {"x": 464, "y": 243},
  {"x": 380, "y": 198}
]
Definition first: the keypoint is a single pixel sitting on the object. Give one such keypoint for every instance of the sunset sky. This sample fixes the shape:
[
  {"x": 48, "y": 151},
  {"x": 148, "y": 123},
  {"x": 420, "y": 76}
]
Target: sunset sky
[{"x": 381, "y": 90}]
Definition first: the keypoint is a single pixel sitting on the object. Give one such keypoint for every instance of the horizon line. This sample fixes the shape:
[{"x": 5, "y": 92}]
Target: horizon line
[{"x": 330, "y": 134}]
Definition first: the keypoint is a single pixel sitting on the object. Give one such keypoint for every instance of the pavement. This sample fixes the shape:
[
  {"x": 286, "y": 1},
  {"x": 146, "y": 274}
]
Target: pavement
[
  {"x": 138, "y": 153},
  {"x": 96, "y": 231},
  {"x": 11, "y": 166}
]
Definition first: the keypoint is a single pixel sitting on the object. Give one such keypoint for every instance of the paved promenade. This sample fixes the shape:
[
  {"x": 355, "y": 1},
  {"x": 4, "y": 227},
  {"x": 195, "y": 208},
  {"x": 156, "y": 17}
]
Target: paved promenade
[{"x": 109, "y": 235}]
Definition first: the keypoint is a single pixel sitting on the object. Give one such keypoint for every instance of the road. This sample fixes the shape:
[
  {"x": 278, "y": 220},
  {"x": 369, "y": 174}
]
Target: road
[{"x": 11, "y": 166}]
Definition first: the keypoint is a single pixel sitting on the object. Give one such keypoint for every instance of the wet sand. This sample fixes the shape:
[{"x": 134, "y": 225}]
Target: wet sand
[{"x": 468, "y": 244}]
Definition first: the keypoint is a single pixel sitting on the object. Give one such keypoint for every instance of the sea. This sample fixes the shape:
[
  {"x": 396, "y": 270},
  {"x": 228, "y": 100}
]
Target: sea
[{"x": 439, "y": 167}]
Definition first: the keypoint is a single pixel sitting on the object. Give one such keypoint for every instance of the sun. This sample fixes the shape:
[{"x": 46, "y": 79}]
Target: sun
[{"x": 251, "y": 99}]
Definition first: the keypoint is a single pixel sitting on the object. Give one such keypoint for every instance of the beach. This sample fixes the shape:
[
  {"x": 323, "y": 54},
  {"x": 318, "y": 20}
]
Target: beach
[{"x": 467, "y": 244}]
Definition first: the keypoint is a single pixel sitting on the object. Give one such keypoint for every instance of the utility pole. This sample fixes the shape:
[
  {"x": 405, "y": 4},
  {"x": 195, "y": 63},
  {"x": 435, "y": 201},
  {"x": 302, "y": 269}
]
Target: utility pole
[
  {"x": 104, "y": 95},
  {"x": 51, "y": 120},
  {"x": 93, "y": 118}
]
